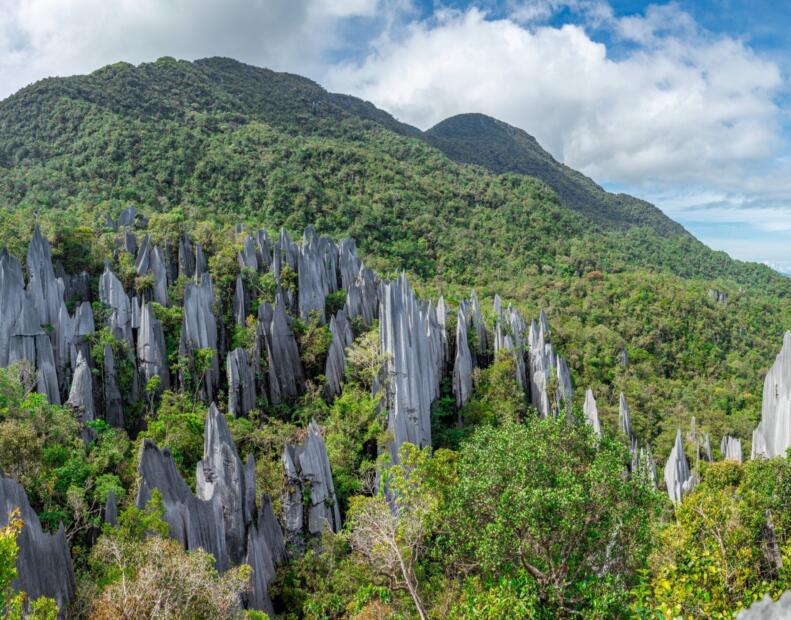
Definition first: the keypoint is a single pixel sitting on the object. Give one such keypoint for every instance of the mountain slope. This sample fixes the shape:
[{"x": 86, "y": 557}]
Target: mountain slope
[{"x": 485, "y": 141}]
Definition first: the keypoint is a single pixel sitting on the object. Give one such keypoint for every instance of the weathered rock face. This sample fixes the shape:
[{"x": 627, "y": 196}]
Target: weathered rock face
[
  {"x": 113, "y": 403},
  {"x": 591, "y": 412},
  {"x": 678, "y": 477},
  {"x": 241, "y": 383},
  {"x": 462, "y": 366},
  {"x": 510, "y": 335},
  {"x": 43, "y": 564},
  {"x": 308, "y": 475},
  {"x": 317, "y": 273},
  {"x": 731, "y": 449},
  {"x": 199, "y": 328},
  {"x": 241, "y": 302},
  {"x": 151, "y": 353},
  {"x": 335, "y": 367},
  {"x": 110, "y": 512},
  {"x": 44, "y": 289},
  {"x": 625, "y": 418},
  {"x": 412, "y": 371},
  {"x": 545, "y": 366},
  {"x": 81, "y": 393},
  {"x": 12, "y": 297},
  {"x": 479, "y": 328},
  {"x": 286, "y": 377},
  {"x": 772, "y": 437},
  {"x": 767, "y": 609},
  {"x": 223, "y": 518}
]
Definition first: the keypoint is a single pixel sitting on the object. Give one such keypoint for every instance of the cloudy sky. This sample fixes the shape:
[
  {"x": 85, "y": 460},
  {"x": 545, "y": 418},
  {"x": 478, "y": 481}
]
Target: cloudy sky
[{"x": 684, "y": 103}]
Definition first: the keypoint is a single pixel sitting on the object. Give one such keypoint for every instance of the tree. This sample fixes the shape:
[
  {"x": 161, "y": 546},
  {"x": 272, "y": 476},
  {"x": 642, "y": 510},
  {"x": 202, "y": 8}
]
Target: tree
[{"x": 544, "y": 499}]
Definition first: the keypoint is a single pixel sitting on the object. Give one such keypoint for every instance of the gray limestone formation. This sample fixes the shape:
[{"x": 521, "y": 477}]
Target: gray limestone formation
[
  {"x": 625, "y": 418},
  {"x": 479, "y": 328},
  {"x": 201, "y": 264},
  {"x": 564, "y": 392},
  {"x": 158, "y": 265},
  {"x": 264, "y": 250},
  {"x": 309, "y": 502},
  {"x": 717, "y": 297},
  {"x": 112, "y": 294},
  {"x": 541, "y": 366},
  {"x": 222, "y": 518},
  {"x": 241, "y": 383},
  {"x": 113, "y": 403},
  {"x": 731, "y": 449},
  {"x": 248, "y": 255},
  {"x": 772, "y": 437},
  {"x": 127, "y": 217},
  {"x": 12, "y": 297},
  {"x": 767, "y": 609},
  {"x": 591, "y": 412},
  {"x": 286, "y": 377},
  {"x": 241, "y": 302},
  {"x": 462, "y": 365},
  {"x": 151, "y": 353},
  {"x": 129, "y": 243},
  {"x": 81, "y": 392},
  {"x": 317, "y": 273},
  {"x": 362, "y": 296},
  {"x": 409, "y": 340},
  {"x": 678, "y": 477},
  {"x": 43, "y": 563},
  {"x": 707, "y": 447},
  {"x": 335, "y": 366},
  {"x": 110, "y": 512},
  {"x": 186, "y": 257},
  {"x": 44, "y": 289},
  {"x": 509, "y": 335},
  {"x": 199, "y": 328}
]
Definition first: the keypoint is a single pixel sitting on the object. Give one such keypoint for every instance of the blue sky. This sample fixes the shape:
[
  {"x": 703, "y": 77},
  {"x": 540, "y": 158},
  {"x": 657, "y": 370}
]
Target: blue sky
[{"x": 682, "y": 103}]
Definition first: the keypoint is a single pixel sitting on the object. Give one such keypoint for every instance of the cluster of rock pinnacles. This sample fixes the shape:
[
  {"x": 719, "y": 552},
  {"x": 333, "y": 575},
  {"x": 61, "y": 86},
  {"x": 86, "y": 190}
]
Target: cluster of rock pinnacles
[{"x": 224, "y": 516}]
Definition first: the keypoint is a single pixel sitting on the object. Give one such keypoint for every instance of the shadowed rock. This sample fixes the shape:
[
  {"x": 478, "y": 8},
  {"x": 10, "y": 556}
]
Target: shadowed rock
[
  {"x": 113, "y": 404},
  {"x": 678, "y": 478},
  {"x": 43, "y": 563},
  {"x": 542, "y": 367},
  {"x": 772, "y": 437},
  {"x": 309, "y": 502},
  {"x": 248, "y": 256},
  {"x": 44, "y": 289},
  {"x": 767, "y": 609},
  {"x": 199, "y": 328},
  {"x": 335, "y": 366},
  {"x": 286, "y": 377},
  {"x": 462, "y": 365},
  {"x": 241, "y": 383},
  {"x": 158, "y": 267},
  {"x": 151, "y": 353},
  {"x": 186, "y": 257},
  {"x": 127, "y": 217},
  {"x": 12, "y": 296},
  {"x": 264, "y": 250},
  {"x": 241, "y": 302},
  {"x": 362, "y": 296},
  {"x": 110, "y": 512},
  {"x": 479, "y": 327}
]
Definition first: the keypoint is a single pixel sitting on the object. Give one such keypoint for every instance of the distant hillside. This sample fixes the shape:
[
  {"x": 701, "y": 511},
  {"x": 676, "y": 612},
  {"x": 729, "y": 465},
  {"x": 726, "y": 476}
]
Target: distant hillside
[{"x": 482, "y": 140}]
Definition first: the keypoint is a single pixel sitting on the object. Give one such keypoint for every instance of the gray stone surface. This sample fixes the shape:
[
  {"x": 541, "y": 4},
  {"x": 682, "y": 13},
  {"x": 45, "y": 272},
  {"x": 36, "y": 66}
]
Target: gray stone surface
[
  {"x": 411, "y": 376},
  {"x": 113, "y": 403},
  {"x": 248, "y": 255},
  {"x": 541, "y": 358},
  {"x": 767, "y": 609},
  {"x": 286, "y": 376},
  {"x": 199, "y": 328},
  {"x": 241, "y": 302},
  {"x": 309, "y": 502},
  {"x": 81, "y": 392},
  {"x": 335, "y": 366},
  {"x": 44, "y": 289},
  {"x": 678, "y": 478},
  {"x": 591, "y": 412},
  {"x": 12, "y": 296},
  {"x": 241, "y": 382},
  {"x": 772, "y": 437},
  {"x": 731, "y": 449},
  {"x": 151, "y": 353},
  {"x": 43, "y": 564},
  {"x": 110, "y": 512},
  {"x": 462, "y": 365}
]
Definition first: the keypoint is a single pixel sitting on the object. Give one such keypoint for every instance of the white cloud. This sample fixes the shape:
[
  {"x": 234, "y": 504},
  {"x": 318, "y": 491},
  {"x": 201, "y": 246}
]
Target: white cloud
[
  {"x": 680, "y": 106},
  {"x": 40, "y": 38}
]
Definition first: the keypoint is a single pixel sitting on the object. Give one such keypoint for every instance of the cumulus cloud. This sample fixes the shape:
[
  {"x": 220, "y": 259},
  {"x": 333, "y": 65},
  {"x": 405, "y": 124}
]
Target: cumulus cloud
[
  {"x": 678, "y": 105},
  {"x": 40, "y": 38}
]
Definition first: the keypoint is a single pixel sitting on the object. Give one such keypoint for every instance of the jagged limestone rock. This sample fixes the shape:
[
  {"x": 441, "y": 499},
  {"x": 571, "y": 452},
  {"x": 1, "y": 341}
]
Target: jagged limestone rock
[
  {"x": 201, "y": 264},
  {"x": 286, "y": 376},
  {"x": 317, "y": 277},
  {"x": 186, "y": 257},
  {"x": 772, "y": 437},
  {"x": 591, "y": 412},
  {"x": 129, "y": 243},
  {"x": 335, "y": 366},
  {"x": 151, "y": 353},
  {"x": 248, "y": 256},
  {"x": 707, "y": 447},
  {"x": 223, "y": 518},
  {"x": 43, "y": 563},
  {"x": 264, "y": 250},
  {"x": 44, "y": 289},
  {"x": 767, "y": 609},
  {"x": 442, "y": 319},
  {"x": 241, "y": 302},
  {"x": 12, "y": 297},
  {"x": 362, "y": 296},
  {"x": 411, "y": 376},
  {"x": 542, "y": 366},
  {"x": 241, "y": 383},
  {"x": 678, "y": 477},
  {"x": 308, "y": 475},
  {"x": 731, "y": 449},
  {"x": 625, "y": 418},
  {"x": 127, "y": 217},
  {"x": 113, "y": 403},
  {"x": 143, "y": 259},
  {"x": 479, "y": 327},
  {"x": 564, "y": 392},
  {"x": 462, "y": 366},
  {"x": 199, "y": 328},
  {"x": 81, "y": 393},
  {"x": 158, "y": 266},
  {"x": 110, "y": 511}
]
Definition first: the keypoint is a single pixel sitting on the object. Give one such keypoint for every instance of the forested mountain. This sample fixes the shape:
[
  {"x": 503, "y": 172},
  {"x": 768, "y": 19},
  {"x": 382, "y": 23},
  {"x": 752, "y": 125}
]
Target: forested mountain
[{"x": 164, "y": 196}]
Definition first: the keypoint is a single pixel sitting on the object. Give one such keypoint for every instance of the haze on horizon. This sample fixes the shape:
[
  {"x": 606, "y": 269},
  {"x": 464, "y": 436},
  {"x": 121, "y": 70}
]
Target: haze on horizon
[{"x": 682, "y": 103}]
